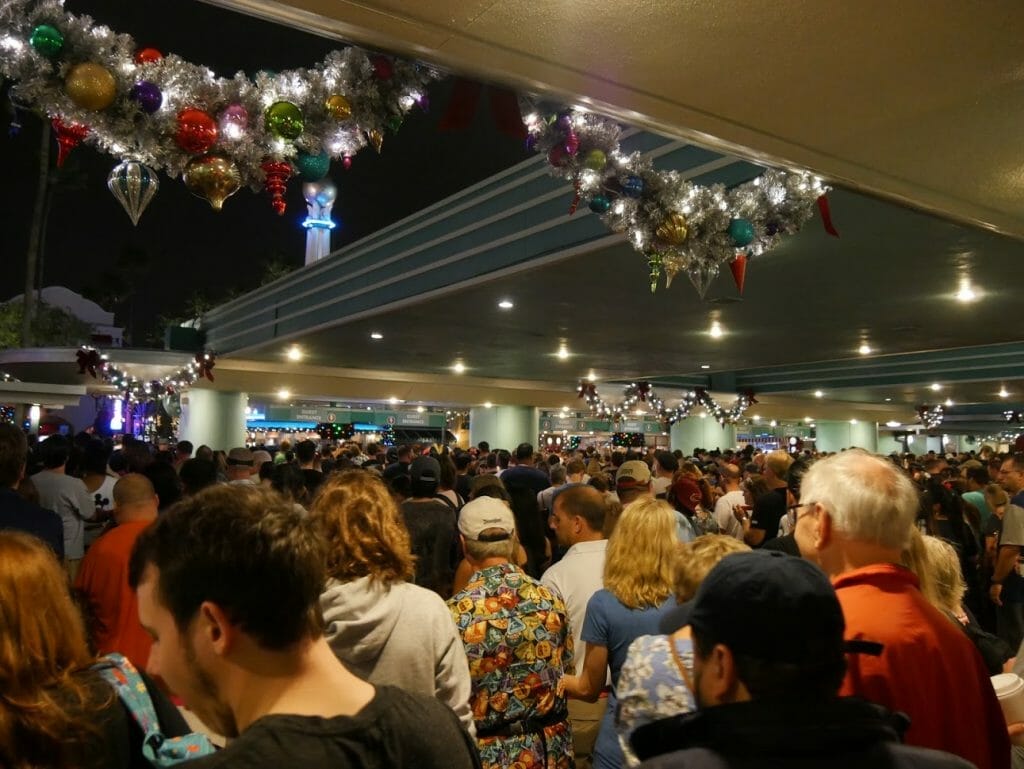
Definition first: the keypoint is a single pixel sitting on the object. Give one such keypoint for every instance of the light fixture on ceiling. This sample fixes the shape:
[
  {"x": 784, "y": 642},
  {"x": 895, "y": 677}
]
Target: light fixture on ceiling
[
  {"x": 294, "y": 353},
  {"x": 966, "y": 293},
  {"x": 864, "y": 349},
  {"x": 506, "y": 304},
  {"x": 892, "y": 423},
  {"x": 591, "y": 377},
  {"x": 949, "y": 402},
  {"x": 420, "y": 409},
  {"x": 819, "y": 394},
  {"x": 888, "y": 400},
  {"x": 488, "y": 404},
  {"x": 935, "y": 386},
  {"x": 284, "y": 394},
  {"x": 376, "y": 335},
  {"x": 459, "y": 367},
  {"x": 394, "y": 401},
  {"x": 756, "y": 418},
  {"x": 853, "y": 421},
  {"x": 704, "y": 366},
  {"x": 808, "y": 420},
  {"x": 773, "y": 423},
  {"x": 563, "y": 352},
  {"x": 704, "y": 415},
  {"x": 1003, "y": 393},
  {"x": 565, "y": 409},
  {"x": 716, "y": 331}
]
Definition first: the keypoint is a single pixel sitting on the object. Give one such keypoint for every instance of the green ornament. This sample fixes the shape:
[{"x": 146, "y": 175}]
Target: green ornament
[
  {"x": 595, "y": 160},
  {"x": 654, "y": 262},
  {"x": 313, "y": 168},
  {"x": 284, "y": 120},
  {"x": 47, "y": 40},
  {"x": 394, "y": 123}
]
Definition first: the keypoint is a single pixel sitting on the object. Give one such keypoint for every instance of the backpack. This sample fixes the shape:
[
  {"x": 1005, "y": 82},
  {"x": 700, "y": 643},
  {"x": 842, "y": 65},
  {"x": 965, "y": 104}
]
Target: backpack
[{"x": 159, "y": 750}]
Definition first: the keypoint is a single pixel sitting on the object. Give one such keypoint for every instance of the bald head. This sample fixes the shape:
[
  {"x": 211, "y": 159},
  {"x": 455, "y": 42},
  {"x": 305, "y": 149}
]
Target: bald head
[
  {"x": 587, "y": 503},
  {"x": 135, "y": 499}
]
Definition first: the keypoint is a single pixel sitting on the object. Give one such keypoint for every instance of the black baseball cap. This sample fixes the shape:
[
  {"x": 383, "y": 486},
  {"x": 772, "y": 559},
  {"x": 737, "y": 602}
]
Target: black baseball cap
[
  {"x": 425, "y": 470},
  {"x": 766, "y": 605}
]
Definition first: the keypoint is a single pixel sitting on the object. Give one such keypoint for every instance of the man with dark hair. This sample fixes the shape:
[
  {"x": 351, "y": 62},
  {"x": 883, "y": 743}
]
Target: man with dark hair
[
  {"x": 431, "y": 525},
  {"x": 577, "y": 521},
  {"x": 196, "y": 474},
  {"x": 16, "y": 512},
  {"x": 462, "y": 462},
  {"x": 524, "y": 473},
  {"x": 664, "y": 467},
  {"x": 182, "y": 453},
  {"x": 400, "y": 465},
  {"x": 768, "y": 659},
  {"x": 305, "y": 453},
  {"x": 66, "y": 496},
  {"x": 228, "y": 586},
  {"x": 977, "y": 478}
]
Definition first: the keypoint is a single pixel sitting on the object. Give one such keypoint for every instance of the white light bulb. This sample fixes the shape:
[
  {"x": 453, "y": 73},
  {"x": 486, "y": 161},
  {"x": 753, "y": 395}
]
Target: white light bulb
[
  {"x": 716, "y": 330},
  {"x": 864, "y": 349}
]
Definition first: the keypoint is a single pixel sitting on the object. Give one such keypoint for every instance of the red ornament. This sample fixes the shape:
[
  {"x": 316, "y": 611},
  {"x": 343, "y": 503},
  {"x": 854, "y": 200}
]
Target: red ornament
[
  {"x": 575, "y": 198},
  {"x": 197, "y": 131},
  {"x": 383, "y": 69},
  {"x": 739, "y": 270},
  {"x": 278, "y": 173},
  {"x": 147, "y": 56},
  {"x": 572, "y": 143},
  {"x": 347, "y": 162},
  {"x": 69, "y": 136},
  {"x": 205, "y": 362},
  {"x": 558, "y": 157}
]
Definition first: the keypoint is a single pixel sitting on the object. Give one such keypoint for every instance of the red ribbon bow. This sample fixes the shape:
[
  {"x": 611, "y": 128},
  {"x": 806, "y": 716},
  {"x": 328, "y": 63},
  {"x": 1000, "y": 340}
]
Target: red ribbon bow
[
  {"x": 587, "y": 390},
  {"x": 89, "y": 360},
  {"x": 206, "y": 363},
  {"x": 750, "y": 397},
  {"x": 642, "y": 390}
]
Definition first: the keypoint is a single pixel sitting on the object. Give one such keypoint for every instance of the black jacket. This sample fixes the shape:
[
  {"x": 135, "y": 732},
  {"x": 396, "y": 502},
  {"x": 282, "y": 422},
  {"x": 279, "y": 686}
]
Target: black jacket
[{"x": 843, "y": 733}]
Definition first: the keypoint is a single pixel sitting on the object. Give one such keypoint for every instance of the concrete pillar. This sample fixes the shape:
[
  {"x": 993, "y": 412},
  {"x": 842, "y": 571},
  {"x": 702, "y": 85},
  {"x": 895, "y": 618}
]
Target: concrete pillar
[
  {"x": 214, "y": 418},
  {"x": 836, "y": 436},
  {"x": 701, "y": 432},
  {"x": 504, "y": 427}
]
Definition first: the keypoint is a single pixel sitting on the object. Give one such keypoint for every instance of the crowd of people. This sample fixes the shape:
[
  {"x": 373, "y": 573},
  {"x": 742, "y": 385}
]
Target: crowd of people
[{"x": 360, "y": 606}]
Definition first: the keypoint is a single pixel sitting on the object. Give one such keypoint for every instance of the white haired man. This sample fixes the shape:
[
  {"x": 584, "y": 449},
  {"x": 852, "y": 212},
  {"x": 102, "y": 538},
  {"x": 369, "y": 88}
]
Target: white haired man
[{"x": 855, "y": 518}]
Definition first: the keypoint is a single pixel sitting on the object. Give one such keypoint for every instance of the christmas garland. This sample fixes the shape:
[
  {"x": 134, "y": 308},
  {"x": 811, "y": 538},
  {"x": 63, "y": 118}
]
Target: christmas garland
[
  {"x": 97, "y": 364},
  {"x": 637, "y": 392},
  {"x": 679, "y": 226},
  {"x": 931, "y": 416},
  {"x": 161, "y": 113}
]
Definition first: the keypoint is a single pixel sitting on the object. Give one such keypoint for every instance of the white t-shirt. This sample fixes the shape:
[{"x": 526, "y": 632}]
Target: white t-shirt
[
  {"x": 576, "y": 578},
  {"x": 727, "y": 522}
]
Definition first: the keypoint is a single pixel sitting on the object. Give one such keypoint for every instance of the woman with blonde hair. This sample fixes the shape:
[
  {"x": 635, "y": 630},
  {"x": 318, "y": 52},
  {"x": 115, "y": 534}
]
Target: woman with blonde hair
[
  {"x": 638, "y": 584},
  {"x": 655, "y": 678},
  {"x": 385, "y": 629},
  {"x": 56, "y": 709}
]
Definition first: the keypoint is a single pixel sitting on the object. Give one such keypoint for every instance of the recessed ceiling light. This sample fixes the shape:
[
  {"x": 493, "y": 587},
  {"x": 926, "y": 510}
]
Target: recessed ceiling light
[
  {"x": 936, "y": 387},
  {"x": 284, "y": 394},
  {"x": 506, "y": 304},
  {"x": 756, "y": 418},
  {"x": 420, "y": 409},
  {"x": 376, "y": 335},
  {"x": 704, "y": 415},
  {"x": 459, "y": 367},
  {"x": 853, "y": 421},
  {"x": 705, "y": 366},
  {"x": 592, "y": 377},
  {"x": 819, "y": 394},
  {"x": 864, "y": 349},
  {"x": 716, "y": 331},
  {"x": 393, "y": 401},
  {"x": 949, "y": 402},
  {"x": 808, "y": 420},
  {"x": 1003, "y": 393},
  {"x": 892, "y": 423},
  {"x": 294, "y": 353},
  {"x": 888, "y": 400},
  {"x": 563, "y": 352},
  {"x": 773, "y": 423},
  {"x": 488, "y": 405},
  {"x": 967, "y": 293}
]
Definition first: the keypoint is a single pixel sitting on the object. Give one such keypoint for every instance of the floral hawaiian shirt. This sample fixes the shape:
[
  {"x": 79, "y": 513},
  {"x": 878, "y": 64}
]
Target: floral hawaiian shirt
[
  {"x": 518, "y": 643},
  {"x": 651, "y": 686}
]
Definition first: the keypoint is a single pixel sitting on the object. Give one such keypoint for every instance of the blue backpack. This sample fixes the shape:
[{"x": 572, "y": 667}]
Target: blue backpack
[{"x": 159, "y": 750}]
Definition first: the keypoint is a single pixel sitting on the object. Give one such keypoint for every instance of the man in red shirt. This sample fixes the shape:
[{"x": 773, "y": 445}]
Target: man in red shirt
[
  {"x": 855, "y": 517},
  {"x": 103, "y": 578}
]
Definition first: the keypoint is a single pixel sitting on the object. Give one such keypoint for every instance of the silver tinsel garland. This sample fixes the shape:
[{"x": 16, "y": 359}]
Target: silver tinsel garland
[
  {"x": 125, "y": 131},
  {"x": 634, "y": 198},
  {"x": 637, "y": 392}
]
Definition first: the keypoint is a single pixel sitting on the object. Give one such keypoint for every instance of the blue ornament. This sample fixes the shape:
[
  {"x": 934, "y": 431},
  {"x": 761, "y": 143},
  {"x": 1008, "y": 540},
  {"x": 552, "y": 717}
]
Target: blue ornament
[
  {"x": 633, "y": 186},
  {"x": 312, "y": 168},
  {"x": 600, "y": 204},
  {"x": 741, "y": 231}
]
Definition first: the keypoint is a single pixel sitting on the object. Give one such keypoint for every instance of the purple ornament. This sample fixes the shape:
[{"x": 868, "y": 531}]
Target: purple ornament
[
  {"x": 147, "y": 95},
  {"x": 531, "y": 141},
  {"x": 424, "y": 102},
  {"x": 233, "y": 121},
  {"x": 572, "y": 143}
]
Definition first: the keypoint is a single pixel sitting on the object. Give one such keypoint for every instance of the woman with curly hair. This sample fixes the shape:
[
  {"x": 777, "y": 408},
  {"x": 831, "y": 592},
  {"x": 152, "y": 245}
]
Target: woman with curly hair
[
  {"x": 386, "y": 630},
  {"x": 638, "y": 581},
  {"x": 56, "y": 710}
]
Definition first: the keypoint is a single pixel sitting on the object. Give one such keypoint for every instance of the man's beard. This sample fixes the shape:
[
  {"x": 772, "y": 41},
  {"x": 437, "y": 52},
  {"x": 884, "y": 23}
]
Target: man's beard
[{"x": 219, "y": 716}]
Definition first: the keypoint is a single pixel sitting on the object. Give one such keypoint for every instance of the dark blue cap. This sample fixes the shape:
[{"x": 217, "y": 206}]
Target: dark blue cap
[{"x": 766, "y": 605}]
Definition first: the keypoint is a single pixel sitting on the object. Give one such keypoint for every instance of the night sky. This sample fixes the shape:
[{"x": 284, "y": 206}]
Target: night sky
[{"x": 181, "y": 245}]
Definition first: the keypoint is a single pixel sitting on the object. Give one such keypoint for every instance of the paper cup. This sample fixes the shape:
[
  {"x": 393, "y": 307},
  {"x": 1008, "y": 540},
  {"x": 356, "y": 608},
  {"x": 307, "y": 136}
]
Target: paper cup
[{"x": 1010, "y": 690}]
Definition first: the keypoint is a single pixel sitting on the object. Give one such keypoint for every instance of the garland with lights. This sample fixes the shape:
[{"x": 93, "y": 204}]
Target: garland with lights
[
  {"x": 162, "y": 113},
  {"x": 628, "y": 440},
  {"x": 635, "y": 392},
  {"x": 97, "y": 364},
  {"x": 677, "y": 225},
  {"x": 931, "y": 416}
]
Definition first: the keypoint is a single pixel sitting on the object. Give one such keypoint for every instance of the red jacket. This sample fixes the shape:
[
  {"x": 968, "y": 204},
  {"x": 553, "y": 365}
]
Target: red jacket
[{"x": 928, "y": 668}]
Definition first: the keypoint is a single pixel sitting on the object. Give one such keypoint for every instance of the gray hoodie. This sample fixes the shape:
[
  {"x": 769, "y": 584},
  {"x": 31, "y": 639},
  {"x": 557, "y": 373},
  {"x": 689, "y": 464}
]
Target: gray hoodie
[{"x": 399, "y": 635}]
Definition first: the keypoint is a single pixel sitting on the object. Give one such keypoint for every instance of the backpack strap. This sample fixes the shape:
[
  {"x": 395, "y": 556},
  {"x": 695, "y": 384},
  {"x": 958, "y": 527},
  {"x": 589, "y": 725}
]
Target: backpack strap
[{"x": 159, "y": 750}]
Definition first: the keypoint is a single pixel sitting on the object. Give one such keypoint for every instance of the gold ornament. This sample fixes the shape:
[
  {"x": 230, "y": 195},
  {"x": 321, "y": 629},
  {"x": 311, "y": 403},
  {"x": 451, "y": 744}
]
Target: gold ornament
[
  {"x": 338, "y": 107},
  {"x": 673, "y": 230},
  {"x": 213, "y": 177},
  {"x": 376, "y": 139},
  {"x": 90, "y": 86}
]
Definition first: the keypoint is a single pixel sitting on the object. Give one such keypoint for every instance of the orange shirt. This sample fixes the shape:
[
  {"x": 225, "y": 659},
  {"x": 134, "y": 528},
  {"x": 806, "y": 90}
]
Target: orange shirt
[
  {"x": 928, "y": 668},
  {"x": 103, "y": 579}
]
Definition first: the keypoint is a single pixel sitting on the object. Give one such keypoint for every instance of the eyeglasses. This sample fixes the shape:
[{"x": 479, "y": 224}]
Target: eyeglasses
[{"x": 793, "y": 508}]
